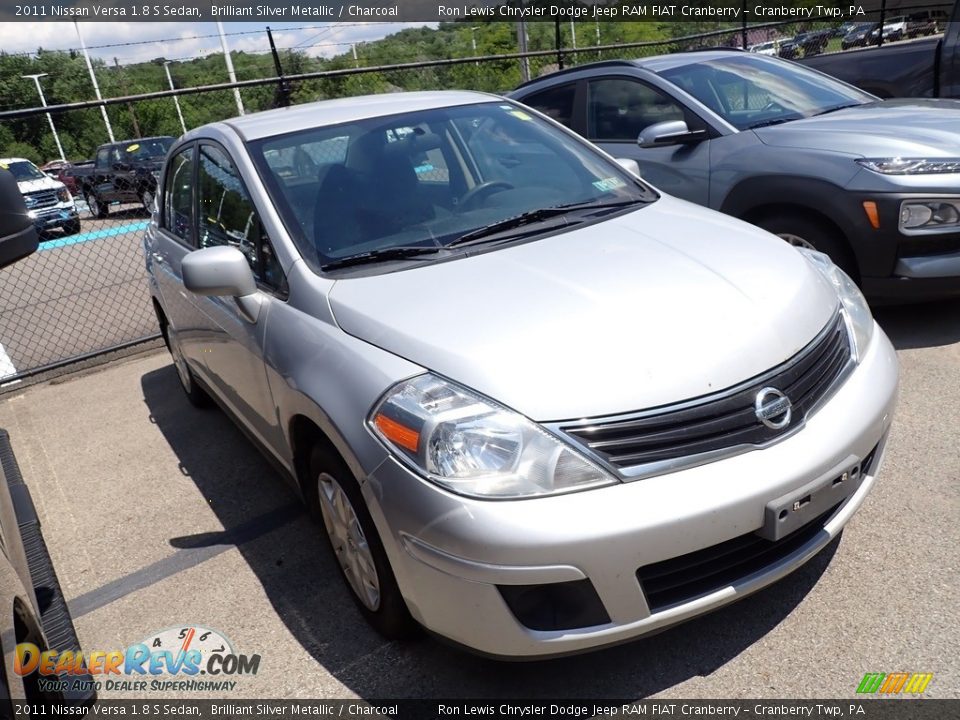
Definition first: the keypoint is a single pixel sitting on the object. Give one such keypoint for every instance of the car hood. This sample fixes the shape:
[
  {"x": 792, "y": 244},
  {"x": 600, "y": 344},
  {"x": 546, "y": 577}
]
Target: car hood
[
  {"x": 666, "y": 303},
  {"x": 888, "y": 128},
  {"x": 45, "y": 183}
]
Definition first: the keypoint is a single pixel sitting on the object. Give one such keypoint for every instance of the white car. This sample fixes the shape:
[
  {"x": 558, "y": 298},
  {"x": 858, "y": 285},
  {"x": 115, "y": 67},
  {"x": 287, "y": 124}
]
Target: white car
[
  {"x": 48, "y": 201},
  {"x": 771, "y": 47}
]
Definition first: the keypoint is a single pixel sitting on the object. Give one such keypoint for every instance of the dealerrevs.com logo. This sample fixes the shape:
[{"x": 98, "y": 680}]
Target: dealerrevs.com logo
[{"x": 183, "y": 658}]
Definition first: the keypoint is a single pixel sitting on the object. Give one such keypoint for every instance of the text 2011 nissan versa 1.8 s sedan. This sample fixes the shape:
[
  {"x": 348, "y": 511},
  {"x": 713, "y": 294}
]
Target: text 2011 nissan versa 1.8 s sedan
[{"x": 539, "y": 406}]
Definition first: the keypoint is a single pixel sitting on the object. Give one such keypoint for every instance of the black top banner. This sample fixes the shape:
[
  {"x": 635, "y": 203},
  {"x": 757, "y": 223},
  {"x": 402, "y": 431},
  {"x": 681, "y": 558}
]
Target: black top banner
[{"x": 749, "y": 11}]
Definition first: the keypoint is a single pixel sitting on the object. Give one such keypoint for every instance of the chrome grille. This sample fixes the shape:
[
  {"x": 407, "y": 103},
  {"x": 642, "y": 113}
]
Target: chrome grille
[
  {"x": 722, "y": 421},
  {"x": 40, "y": 199}
]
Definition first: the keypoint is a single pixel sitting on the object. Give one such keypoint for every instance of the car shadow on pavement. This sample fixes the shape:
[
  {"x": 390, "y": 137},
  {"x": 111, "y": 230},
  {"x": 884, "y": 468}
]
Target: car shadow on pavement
[
  {"x": 920, "y": 326},
  {"x": 289, "y": 557}
]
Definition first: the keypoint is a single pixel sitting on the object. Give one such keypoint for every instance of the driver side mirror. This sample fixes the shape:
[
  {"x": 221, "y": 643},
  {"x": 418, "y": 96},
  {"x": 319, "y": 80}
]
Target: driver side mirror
[
  {"x": 222, "y": 271},
  {"x": 672, "y": 132},
  {"x": 629, "y": 164},
  {"x": 18, "y": 236}
]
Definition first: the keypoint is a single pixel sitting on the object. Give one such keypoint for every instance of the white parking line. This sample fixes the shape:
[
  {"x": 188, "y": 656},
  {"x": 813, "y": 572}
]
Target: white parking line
[{"x": 7, "y": 368}]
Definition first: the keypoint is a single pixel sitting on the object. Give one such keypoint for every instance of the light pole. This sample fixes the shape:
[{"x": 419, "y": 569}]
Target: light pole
[
  {"x": 43, "y": 101},
  {"x": 230, "y": 73},
  {"x": 93, "y": 79},
  {"x": 473, "y": 41},
  {"x": 176, "y": 100}
]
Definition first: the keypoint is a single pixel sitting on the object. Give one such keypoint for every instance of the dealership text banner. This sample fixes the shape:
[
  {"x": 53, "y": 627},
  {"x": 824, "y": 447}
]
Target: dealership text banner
[{"x": 743, "y": 11}]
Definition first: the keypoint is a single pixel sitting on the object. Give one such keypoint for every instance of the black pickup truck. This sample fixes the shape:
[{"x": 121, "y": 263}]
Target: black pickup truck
[
  {"x": 925, "y": 67},
  {"x": 124, "y": 172}
]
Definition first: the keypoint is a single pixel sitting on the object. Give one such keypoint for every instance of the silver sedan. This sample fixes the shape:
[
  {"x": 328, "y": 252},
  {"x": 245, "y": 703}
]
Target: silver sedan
[{"x": 538, "y": 405}]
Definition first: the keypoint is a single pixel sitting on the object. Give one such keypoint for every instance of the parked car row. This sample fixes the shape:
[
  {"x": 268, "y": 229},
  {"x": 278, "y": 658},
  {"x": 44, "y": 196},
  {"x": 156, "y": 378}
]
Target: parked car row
[
  {"x": 924, "y": 67},
  {"x": 873, "y": 184}
]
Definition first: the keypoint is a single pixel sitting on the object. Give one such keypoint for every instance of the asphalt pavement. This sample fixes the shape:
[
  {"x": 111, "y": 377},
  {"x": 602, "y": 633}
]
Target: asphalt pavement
[{"x": 159, "y": 516}]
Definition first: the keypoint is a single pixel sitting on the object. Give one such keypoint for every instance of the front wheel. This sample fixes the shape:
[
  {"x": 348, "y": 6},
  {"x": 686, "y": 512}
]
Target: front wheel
[
  {"x": 147, "y": 198},
  {"x": 335, "y": 495},
  {"x": 196, "y": 395},
  {"x": 804, "y": 232}
]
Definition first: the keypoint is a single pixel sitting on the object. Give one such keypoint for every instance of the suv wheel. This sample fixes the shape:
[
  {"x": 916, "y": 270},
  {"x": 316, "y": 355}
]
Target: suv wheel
[
  {"x": 334, "y": 494},
  {"x": 805, "y": 232}
]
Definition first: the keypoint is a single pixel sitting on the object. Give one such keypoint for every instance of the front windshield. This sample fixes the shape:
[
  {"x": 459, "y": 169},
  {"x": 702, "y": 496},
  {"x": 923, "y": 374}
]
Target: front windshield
[
  {"x": 150, "y": 149},
  {"x": 24, "y": 170},
  {"x": 428, "y": 178},
  {"x": 751, "y": 92}
]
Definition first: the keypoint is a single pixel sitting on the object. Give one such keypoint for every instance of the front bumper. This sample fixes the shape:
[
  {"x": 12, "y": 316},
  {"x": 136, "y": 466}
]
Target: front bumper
[
  {"x": 53, "y": 218},
  {"x": 895, "y": 267},
  {"x": 450, "y": 553}
]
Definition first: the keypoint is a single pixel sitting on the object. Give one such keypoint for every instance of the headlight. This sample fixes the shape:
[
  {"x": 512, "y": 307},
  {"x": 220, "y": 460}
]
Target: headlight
[
  {"x": 932, "y": 215},
  {"x": 855, "y": 309},
  {"x": 911, "y": 166},
  {"x": 475, "y": 447},
  {"x": 63, "y": 195}
]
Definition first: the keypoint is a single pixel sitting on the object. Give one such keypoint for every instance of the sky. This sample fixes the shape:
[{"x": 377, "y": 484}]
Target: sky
[{"x": 177, "y": 40}]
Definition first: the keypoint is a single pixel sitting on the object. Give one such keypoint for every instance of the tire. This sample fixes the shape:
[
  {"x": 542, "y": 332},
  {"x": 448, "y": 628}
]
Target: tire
[
  {"x": 196, "y": 395},
  {"x": 334, "y": 496},
  {"x": 146, "y": 199},
  {"x": 97, "y": 208},
  {"x": 71, "y": 228},
  {"x": 807, "y": 232}
]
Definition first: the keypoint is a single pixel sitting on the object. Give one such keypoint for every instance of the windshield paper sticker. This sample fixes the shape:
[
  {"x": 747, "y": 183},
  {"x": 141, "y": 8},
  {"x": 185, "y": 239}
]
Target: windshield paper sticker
[{"x": 609, "y": 184}]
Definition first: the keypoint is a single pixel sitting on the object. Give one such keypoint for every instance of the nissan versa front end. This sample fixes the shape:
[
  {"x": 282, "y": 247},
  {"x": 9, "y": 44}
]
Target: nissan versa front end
[{"x": 539, "y": 406}]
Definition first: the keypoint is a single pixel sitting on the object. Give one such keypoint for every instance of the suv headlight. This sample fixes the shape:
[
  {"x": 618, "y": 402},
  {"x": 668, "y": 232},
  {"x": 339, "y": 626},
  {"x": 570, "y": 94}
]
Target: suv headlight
[
  {"x": 910, "y": 166},
  {"x": 929, "y": 215},
  {"x": 63, "y": 195},
  {"x": 473, "y": 446},
  {"x": 856, "y": 312}
]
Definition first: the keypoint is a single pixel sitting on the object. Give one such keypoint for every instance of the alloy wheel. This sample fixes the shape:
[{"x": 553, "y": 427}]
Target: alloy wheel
[
  {"x": 349, "y": 541},
  {"x": 179, "y": 362}
]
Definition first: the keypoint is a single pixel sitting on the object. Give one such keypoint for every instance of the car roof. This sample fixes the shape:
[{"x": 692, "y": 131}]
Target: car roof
[
  {"x": 654, "y": 63},
  {"x": 341, "y": 110},
  {"x": 7, "y": 161}
]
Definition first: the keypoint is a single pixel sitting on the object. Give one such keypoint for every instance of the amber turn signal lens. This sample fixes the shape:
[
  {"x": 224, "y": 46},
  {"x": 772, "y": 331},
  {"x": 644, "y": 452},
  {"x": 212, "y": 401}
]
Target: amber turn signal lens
[
  {"x": 396, "y": 433},
  {"x": 870, "y": 207}
]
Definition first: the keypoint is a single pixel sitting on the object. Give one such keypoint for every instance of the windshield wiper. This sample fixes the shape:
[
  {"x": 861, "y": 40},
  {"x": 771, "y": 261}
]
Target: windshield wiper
[
  {"x": 834, "y": 109},
  {"x": 371, "y": 256},
  {"x": 534, "y": 216},
  {"x": 773, "y": 121}
]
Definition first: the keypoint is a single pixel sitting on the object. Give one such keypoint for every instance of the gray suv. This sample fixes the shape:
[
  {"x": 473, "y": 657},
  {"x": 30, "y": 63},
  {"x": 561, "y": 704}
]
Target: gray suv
[{"x": 874, "y": 184}]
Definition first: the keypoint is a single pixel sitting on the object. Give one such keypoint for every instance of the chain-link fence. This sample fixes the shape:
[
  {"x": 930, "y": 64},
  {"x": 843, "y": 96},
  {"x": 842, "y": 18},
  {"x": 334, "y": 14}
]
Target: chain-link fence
[{"x": 85, "y": 292}]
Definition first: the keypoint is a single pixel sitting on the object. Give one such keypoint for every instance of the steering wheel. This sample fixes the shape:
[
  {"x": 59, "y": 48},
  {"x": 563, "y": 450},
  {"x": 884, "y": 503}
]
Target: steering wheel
[{"x": 482, "y": 190}]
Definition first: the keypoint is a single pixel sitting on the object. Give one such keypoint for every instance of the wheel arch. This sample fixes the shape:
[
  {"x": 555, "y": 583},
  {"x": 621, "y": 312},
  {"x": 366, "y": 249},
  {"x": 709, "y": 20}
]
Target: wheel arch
[{"x": 818, "y": 200}]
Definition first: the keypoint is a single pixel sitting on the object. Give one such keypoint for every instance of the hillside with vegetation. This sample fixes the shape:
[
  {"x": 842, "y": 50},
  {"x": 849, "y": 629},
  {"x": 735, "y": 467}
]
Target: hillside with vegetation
[{"x": 82, "y": 130}]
